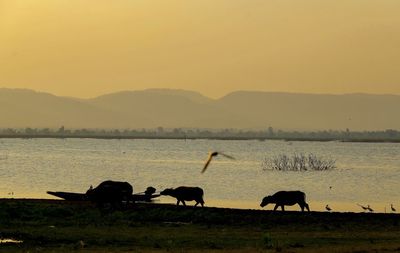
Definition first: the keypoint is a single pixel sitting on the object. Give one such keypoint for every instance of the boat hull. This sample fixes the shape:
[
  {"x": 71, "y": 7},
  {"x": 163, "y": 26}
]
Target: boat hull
[{"x": 73, "y": 196}]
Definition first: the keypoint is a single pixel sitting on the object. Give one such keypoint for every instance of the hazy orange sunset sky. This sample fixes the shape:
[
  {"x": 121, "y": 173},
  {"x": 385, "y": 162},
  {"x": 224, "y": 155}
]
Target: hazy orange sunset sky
[{"x": 91, "y": 47}]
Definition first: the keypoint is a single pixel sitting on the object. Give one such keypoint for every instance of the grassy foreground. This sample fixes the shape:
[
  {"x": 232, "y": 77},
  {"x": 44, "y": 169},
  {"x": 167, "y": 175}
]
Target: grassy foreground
[{"x": 61, "y": 226}]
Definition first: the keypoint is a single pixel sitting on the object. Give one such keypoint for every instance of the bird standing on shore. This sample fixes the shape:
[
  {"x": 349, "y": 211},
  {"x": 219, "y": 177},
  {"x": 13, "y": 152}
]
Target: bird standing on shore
[
  {"x": 211, "y": 155},
  {"x": 328, "y": 208},
  {"x": 392, "y": 208},
  {"x": 364, "y": 207}
]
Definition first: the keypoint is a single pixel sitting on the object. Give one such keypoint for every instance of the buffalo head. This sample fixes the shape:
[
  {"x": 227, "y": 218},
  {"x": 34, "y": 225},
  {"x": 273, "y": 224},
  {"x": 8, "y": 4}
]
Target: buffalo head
[
  {"x": 168, "y": 191},
  {"x": 266, "y": 201}
]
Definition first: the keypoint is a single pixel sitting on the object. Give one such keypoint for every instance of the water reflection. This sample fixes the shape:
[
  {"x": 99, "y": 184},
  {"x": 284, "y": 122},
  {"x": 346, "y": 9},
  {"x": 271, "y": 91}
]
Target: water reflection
[
  {"x": 367, "y": 173},
  {"x": 9, "y": 240}
]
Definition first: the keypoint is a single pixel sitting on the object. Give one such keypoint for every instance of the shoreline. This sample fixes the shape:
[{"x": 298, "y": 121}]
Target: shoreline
[
  {"x": 227, "y": 138},
  {"x": 172, "y": 203},
  {"x": 169, "y": 206},
  {"x": 190, "y": 206},
  {"x": 315, "y": 206}
]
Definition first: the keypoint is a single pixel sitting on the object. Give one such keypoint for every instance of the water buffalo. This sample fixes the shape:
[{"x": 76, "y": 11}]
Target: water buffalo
[
  {"x": 183, "y": 193},
  {"x": 286, "y": 198},
  {"x": 111, "y": 192}
]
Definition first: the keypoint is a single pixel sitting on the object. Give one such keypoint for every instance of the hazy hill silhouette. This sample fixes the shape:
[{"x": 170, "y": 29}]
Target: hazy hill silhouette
[
  {"x": 179, "y": 108},
  {"x": 167, "y": 108},
  {"x": 27, "y": 108},
  {"x": 317, "y": 111}
]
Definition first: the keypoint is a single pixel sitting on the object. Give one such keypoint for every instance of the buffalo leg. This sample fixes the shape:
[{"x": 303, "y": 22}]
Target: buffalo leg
[
  {"x": 177, "y": 203},
  {"x": 201, "y": 202},
  {"x": 283, "y": 207},
  {"x": 183, "y": 202},
  {"x": 302, "y": 205},
  {"x": 276, "y": 207}
]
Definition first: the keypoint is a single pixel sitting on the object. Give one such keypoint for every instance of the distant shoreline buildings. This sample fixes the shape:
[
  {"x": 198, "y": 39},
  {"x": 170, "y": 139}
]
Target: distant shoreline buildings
[{"x": 269, "y": 133}]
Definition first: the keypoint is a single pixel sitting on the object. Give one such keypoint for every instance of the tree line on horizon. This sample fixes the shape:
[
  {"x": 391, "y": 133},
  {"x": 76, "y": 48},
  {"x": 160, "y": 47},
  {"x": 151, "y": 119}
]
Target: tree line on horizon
[{"x": 183, "y": 133}]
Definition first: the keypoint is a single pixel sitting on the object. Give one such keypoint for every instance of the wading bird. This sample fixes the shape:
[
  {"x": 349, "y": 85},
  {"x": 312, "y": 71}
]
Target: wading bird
[
  {"x": 328, "y": 208},
  {"x": 366, "y": 208},
  {"x": 211, "y": 155}
]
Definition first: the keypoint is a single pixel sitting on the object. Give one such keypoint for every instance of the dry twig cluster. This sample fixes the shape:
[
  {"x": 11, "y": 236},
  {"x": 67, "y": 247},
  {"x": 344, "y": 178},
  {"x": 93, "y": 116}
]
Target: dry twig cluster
[{"x": 298, "y": 162}]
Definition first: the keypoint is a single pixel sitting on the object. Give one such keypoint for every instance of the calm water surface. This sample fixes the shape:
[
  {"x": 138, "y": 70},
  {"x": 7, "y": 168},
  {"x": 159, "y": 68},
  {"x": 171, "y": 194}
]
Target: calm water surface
[{"x": 366, "y": 173}]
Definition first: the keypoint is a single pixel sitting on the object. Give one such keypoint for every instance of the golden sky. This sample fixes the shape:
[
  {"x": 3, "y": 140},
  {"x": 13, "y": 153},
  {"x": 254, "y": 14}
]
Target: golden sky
[{"x": 85, "y": 48}]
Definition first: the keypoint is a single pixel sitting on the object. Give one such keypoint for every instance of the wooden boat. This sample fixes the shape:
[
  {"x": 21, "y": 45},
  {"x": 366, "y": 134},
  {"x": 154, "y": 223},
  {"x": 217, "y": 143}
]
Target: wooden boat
[{"x": 72, "y": 196}]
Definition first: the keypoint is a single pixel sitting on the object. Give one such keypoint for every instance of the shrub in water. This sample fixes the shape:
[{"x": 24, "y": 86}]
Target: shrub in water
[{"x": 298, "y": 162}]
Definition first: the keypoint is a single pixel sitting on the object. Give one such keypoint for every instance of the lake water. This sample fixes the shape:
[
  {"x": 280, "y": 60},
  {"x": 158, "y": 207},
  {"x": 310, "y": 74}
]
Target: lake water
[{"x": 366, "y": 173}]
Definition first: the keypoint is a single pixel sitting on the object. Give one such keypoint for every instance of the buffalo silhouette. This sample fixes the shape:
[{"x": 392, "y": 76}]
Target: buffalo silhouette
[
  {"x": 286, "y": 198},
  {"x": 110, "y": 192},
  {"x": 183, "y": 193}
]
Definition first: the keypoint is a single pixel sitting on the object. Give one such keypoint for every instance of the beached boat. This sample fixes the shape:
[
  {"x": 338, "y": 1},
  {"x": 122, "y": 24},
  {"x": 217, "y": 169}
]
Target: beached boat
[{"x": 73, "y": 196}]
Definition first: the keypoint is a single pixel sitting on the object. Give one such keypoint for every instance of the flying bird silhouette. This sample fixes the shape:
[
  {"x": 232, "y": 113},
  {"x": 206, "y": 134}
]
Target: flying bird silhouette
[
  {"x": 211, "y": 155},
  {"x": 392, "y": 207}
]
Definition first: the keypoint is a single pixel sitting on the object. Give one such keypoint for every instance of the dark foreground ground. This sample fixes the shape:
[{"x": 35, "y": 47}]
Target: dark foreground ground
[{"x": 61, "y": 226}]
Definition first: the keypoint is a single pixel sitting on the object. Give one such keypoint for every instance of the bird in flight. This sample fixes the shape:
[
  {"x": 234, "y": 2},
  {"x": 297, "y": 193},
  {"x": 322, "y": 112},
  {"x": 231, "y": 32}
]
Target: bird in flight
[
  {"x": 211, "y": 155},
  {"x": 392, "y": 207}
]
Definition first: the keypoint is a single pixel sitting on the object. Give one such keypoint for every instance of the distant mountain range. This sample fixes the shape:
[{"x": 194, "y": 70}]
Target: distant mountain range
[{"x": 20, "y": 108}]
